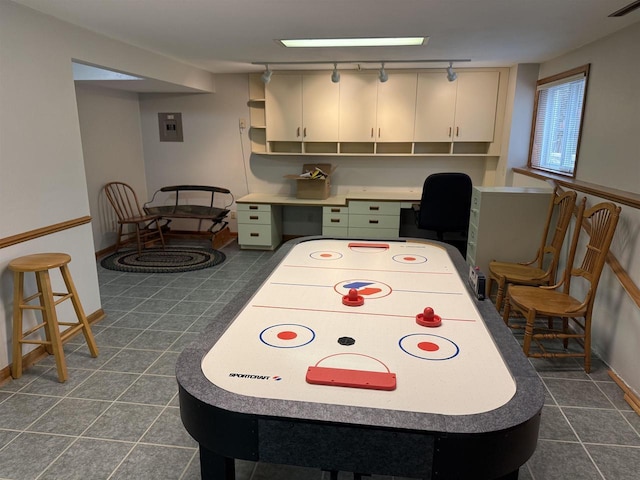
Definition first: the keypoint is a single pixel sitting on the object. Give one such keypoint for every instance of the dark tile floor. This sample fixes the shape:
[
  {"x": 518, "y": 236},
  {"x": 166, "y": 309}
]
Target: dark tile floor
[{"x": 117, "y": 416}]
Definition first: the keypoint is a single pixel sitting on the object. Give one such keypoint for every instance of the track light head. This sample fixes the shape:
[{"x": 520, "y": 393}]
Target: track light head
[
  {"x": 335, "y": 76},
  {"x": 266, "y": 76},
  {"x": 383, "y": 75},
  {"x": 451, "y": 75}
]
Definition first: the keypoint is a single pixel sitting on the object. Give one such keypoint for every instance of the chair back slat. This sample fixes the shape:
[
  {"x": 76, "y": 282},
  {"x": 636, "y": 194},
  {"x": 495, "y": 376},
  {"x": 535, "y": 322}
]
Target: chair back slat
[
  {"x": 124, "y": 200},
  {"x": 599, "y": 222},
  {"x": 561, "y": 208}
]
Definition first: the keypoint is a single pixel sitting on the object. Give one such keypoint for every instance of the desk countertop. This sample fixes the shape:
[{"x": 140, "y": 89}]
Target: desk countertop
[{"x": 336, "y": 200}]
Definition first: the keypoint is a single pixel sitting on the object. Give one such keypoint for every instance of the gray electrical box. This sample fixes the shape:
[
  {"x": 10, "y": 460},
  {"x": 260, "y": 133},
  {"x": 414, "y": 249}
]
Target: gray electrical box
[{"x": 170, "y": 125}]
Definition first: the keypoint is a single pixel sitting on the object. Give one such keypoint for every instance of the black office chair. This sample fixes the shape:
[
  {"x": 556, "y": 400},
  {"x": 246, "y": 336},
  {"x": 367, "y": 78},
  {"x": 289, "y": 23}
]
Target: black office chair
[{"x": 445, "y": 207}]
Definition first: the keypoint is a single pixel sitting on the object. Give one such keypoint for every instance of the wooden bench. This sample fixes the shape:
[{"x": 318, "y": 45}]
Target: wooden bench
[{"x": 216, "y": 215}]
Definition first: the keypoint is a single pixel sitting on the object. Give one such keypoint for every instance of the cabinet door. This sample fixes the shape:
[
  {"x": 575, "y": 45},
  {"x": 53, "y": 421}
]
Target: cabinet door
[
  {"x": 435, "y": 108},
  {"x": 320, "y": 112},
  {"x": 476, "y": 102},
  {"x": 396, "y": 108},
  {"x": 284, "y": 108},
  {"x": 358, "y": 92}
]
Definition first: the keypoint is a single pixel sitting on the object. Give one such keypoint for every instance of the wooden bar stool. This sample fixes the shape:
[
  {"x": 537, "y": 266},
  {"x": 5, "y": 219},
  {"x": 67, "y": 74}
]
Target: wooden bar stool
[{"x": 40, "y": 264}]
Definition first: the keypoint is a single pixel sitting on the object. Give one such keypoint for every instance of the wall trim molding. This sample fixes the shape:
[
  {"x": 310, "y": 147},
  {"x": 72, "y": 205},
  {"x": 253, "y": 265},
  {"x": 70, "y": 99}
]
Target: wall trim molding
[{"x": 41, "y": 232}]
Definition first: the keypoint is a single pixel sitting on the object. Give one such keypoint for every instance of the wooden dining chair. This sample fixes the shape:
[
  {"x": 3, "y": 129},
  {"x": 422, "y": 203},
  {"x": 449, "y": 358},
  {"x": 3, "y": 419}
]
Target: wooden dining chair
[
  {"x": 144, "y": 227},
  {"x": 543, "y": 268},
  {"x": 554, "y": 301}
]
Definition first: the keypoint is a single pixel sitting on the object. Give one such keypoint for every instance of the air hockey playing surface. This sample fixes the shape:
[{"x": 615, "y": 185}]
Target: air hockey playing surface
[
  {"x": 297, "y": 340},
  {"x": 294, "y": 370}
]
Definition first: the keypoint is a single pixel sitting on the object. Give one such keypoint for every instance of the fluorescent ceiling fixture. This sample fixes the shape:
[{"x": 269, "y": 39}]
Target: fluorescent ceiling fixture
[{"x": 354, "y": 42}]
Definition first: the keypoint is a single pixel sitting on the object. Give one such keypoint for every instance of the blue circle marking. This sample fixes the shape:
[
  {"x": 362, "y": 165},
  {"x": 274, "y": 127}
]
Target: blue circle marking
[
  {"x": 266, "y": 330},
  {"x": 456, "y": 352}
]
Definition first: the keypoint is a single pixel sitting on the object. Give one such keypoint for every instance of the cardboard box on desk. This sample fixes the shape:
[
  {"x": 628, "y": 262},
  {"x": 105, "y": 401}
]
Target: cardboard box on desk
[{"x": 313, "y": 188}]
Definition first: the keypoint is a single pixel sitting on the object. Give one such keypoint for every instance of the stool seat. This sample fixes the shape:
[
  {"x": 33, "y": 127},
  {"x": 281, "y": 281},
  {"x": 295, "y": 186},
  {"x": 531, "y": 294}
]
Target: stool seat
[
  {"x": 40, "y": 264},
  {"x": 39, "y": 261}
]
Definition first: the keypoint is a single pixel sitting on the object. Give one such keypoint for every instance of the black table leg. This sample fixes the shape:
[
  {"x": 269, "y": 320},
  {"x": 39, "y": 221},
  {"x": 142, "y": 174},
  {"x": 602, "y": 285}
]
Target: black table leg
[
  {"x": 216, "y": 467},
  {"x": 510, "y": 476}
]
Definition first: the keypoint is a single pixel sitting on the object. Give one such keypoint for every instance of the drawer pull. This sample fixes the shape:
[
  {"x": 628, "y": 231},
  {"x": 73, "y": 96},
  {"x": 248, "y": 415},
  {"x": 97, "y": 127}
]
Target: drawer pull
[
  {"x": 374, "y": 208},
  {"x": 254, "y": 234},
  {"x": 253, "y": 217},
  {"x": 335, "y": 220},
  {"x": 253, "y": 207},
  {"x": 373, "y": 221},
  {"x": 335, "y": 210}
]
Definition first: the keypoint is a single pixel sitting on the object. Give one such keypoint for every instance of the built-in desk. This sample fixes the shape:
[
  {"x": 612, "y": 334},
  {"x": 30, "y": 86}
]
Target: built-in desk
[{"x": 355, "y": 214}]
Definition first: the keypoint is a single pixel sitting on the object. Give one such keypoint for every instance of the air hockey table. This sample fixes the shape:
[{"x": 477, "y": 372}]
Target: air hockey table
[{"x": 372, "y": 357}]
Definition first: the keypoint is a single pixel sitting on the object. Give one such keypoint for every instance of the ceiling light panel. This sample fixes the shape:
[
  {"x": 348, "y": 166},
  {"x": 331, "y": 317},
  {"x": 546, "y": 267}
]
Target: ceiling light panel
[{"x": 354, "y": 42}]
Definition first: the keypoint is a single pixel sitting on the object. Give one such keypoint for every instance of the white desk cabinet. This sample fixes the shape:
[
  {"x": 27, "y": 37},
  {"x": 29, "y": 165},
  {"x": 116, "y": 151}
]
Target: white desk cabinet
[
  {"x": 374, "y": 219},
  {"x": 259, "y": 226},
  {"x": 506, "y": 224}
]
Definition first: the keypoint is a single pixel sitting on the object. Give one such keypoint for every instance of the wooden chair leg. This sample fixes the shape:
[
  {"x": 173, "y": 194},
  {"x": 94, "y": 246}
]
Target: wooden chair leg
[
  {"x": 77, "y": 306},
  {"x": 51, "y": 319},
  {"x": 139, "y": 239},
  {"x": 506, "y": 312},
  {"x": 587, "y": 343},
  {"x": 528, "y": 331},
  {"x": 18, "y": 295},
  {"x": 120, "y": 226},
  {"x": 500, "y": 293}
]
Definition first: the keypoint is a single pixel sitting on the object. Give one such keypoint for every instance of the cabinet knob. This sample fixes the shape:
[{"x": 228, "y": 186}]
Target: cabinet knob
[
  {"x": 457, "y": 131},
  {"x": 304, "y": 132},
  {"x": 449, "y": 132},
  {"x": 371, "y": 132},
  {"x": 298, "y": 132},
  {"x": 374, "y": 221}
]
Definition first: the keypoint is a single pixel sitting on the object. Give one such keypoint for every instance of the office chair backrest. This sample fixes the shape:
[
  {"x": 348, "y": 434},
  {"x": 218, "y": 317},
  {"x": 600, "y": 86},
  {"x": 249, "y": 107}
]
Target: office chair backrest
[{"x": 446, "y": 203}]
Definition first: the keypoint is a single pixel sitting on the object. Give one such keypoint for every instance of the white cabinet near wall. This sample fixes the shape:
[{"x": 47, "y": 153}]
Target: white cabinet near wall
[
  {"x": 460, "y": 111},
  {"x": 374, "y": 219},
  {"x": 259, "y": 226},
  {"x": 506, "y": 224}
]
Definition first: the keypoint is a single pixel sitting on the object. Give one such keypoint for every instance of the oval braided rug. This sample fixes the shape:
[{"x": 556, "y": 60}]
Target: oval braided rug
[{"x": 169, "y": 260}]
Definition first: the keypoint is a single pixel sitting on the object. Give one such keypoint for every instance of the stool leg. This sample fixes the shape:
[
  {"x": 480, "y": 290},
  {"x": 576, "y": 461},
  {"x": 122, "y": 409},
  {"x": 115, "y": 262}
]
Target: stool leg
[
  {"x": 51, "y": 320},
  {"x": 77, "y": 306},
  {"x": 48, "y": 345},
  {"x": 18, "y": 295}
]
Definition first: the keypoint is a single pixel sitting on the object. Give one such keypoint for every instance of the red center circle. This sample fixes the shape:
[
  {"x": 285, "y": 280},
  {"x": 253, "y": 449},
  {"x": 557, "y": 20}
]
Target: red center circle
[
  {"x": 287, "y": 335},
  {"x": 409, "y": 259},
  {"x": 428, "y": 346}
]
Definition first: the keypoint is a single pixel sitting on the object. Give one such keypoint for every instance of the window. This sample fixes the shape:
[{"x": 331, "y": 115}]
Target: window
[{"x": 558, "y": 112}]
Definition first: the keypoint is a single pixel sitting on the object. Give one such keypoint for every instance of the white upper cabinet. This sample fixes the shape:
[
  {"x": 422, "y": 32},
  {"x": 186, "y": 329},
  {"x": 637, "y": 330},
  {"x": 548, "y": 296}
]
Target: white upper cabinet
[
  {"x": 283, "y": 102},
  {"x": 320, "y": 112},
  {"x": 435, "y": 108},
  {"x": 396, "y": 108},
  {"x": 459, "y": 111},
  {"x": 358, "y": 98},
  {"x": 302, "y": 108},
  {"x": 476, "y": 102}
]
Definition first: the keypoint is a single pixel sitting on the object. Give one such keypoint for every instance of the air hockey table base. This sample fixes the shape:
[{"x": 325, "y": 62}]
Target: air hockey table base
[{"x": 490, "y": 445}]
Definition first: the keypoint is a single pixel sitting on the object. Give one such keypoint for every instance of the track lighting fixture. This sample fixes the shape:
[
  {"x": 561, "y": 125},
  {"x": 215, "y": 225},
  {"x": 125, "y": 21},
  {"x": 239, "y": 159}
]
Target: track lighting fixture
[
  {"x": 266, "y": 76},
  {"x": 383, "y": 75},
  {"x": 451, "y": 75},
  {"x": 335, "y": 76}
]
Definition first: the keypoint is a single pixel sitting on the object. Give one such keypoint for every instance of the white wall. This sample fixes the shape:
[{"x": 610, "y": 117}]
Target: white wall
[
  {"x": 42, "y": 179},
  {"x": 112, "y": 151},
  {"x": 610, "y": 156}
]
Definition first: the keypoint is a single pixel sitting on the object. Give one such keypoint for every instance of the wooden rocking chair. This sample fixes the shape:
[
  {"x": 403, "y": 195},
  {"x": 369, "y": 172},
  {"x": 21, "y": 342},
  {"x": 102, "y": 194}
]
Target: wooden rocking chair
[{"x": 125, "y": 203}]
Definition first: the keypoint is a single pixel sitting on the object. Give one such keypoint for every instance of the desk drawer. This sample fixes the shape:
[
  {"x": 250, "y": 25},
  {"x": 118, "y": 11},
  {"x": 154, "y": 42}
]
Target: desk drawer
[
  {"x": 254, "y": 217},
  {"x": 335, "y": 220},
  {"x": 333, "y": 210},
  {"x": 255, "y": 235},
  {"x": 377, "y": 208},
  {"x": 375, "y": 221},
  {"x": 253, "y": 207}
]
